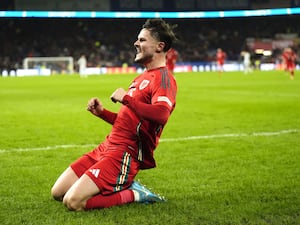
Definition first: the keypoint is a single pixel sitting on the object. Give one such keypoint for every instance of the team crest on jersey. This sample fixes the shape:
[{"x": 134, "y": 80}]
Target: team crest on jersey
[{"x": 144, "y": 84}]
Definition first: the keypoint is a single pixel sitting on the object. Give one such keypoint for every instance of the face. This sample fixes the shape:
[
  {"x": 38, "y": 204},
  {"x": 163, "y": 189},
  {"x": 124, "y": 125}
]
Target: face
[{"x": 146, "y": 46}]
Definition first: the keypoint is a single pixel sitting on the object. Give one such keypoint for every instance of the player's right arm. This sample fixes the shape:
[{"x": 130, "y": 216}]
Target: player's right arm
[{"x": 96, "y": 108}]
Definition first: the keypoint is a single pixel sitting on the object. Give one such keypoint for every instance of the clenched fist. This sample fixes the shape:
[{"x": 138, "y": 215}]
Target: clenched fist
[{"x": 95, "y": 106}]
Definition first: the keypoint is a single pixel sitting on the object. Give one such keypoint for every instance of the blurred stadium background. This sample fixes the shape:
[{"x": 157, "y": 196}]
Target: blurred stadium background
[
  {"x": 108, "y": 42},
  {"x": 244, "y": 168}
]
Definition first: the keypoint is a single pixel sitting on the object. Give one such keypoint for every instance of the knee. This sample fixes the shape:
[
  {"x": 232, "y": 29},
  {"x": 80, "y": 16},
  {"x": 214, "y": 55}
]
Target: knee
[
  {"x": 56, "y": 194},
  {"x": 73, "y": 203}
]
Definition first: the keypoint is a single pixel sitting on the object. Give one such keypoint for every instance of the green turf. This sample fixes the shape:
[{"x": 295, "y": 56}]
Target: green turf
[{"x": 242, "y": 167}]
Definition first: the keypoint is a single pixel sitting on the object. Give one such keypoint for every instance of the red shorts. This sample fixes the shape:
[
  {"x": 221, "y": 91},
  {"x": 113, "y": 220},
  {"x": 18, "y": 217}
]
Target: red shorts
[
  {"x": 290, "y": 66},
  {"x": 111, "y": 170},
  {"x": 220, "y": 63}
]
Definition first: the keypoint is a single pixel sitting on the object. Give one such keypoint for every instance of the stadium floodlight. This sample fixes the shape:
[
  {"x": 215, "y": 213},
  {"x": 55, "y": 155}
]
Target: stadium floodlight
[{"x": 57, "y": 65}]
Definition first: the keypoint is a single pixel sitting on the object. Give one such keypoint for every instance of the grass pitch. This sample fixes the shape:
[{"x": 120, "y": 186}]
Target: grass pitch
[{"x": 230, "y": 153}]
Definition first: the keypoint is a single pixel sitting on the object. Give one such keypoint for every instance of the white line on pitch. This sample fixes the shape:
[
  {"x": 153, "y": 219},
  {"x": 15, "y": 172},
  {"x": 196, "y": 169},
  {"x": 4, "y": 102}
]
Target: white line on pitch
[
  {"x": 229, "y": 135},
  {"x": 47, "y": 148},
  {"x": 161, "y": 140}
]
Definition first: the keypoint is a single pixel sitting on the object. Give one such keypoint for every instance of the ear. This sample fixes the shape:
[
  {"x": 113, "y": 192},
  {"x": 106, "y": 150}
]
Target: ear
[{"x": 160, "y": 47}]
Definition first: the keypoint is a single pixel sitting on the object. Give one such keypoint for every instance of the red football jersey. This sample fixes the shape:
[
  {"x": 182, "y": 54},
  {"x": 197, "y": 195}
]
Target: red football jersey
[
  {"x": 150, "y": 100},
  {"x": 289, "y": 56},
  {"x": 221, "y": 56},
  {"x": 171, "y": 59}
]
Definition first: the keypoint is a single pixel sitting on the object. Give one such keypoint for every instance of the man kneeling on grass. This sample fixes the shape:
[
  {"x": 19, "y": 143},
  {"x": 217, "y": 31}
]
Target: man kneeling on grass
[{"x": 105, "y": 176}]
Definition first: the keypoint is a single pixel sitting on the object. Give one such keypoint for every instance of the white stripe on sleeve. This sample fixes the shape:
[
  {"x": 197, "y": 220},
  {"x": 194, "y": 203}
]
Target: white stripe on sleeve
[{"x": 164, "y": 99}]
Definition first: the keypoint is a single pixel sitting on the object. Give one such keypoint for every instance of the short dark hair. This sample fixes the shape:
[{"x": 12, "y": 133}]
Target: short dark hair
[{"x": 162, "y": 31}]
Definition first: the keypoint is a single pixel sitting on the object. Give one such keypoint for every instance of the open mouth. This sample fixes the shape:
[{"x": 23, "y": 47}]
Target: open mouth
[{"x": 138, "y": 50}]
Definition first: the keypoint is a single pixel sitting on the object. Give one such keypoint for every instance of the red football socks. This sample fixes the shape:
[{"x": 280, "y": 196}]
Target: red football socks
[{"x": 106, "y": 201}]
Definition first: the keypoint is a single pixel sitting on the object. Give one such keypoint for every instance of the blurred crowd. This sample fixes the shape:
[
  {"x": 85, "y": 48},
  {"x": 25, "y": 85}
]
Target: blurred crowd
[{"x": 109, "y": 42}]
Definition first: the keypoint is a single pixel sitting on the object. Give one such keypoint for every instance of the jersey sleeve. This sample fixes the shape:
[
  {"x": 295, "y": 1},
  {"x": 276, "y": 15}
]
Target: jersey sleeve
[
  {"x": 162, "y": 94},
  {"x": 108, "y": 116},
  {"x": 155, "y": 112},
  {"x": 164, "y": 90}
]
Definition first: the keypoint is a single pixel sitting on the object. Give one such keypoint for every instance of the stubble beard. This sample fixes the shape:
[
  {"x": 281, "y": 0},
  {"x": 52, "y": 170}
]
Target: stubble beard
[{"x": 143, "y": 59}]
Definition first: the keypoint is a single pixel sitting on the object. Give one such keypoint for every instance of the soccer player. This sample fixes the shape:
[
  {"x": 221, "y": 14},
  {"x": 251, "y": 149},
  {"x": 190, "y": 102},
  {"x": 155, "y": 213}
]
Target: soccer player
[
  {"x": 246, "y": 61},
  {"x": 172, "y": 56},
  {"x": 105, "y": 176},
  {"x": 289, "y": 61},
  {"x": 82, "y": 62},
  {"x": 220, "y": 58}
]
